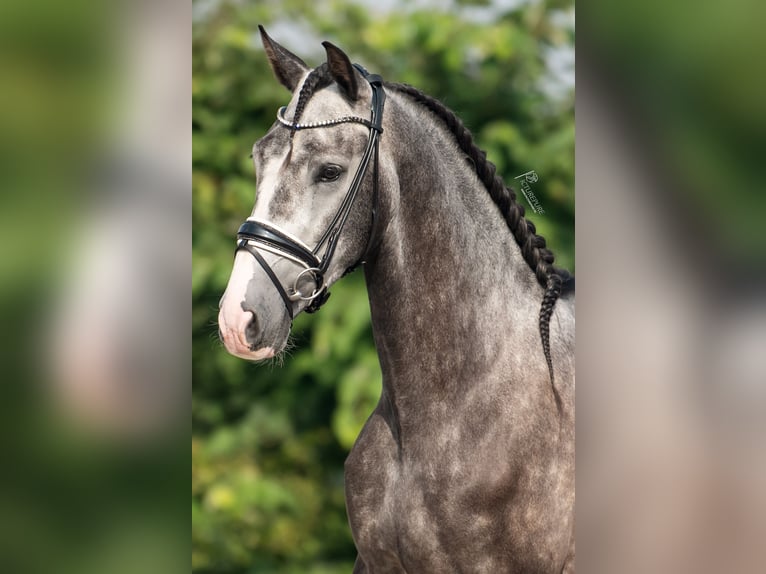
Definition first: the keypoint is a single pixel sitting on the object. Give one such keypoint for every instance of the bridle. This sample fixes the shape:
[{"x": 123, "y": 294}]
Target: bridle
[{"x": 254, "y": 234}]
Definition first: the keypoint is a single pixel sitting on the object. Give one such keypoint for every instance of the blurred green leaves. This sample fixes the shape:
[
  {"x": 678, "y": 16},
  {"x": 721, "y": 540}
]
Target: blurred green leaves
[
  {"x": 688, "y": 80},
  {"x": 269, "y": 441}
]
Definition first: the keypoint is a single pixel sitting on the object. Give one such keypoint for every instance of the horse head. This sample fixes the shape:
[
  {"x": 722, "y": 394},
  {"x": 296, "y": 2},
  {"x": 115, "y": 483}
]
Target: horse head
[{"x": 317, "y": 177}]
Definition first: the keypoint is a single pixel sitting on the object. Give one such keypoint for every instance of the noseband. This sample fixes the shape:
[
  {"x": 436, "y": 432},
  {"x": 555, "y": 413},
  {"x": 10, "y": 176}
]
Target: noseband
[{"x": 254, "y": 234}]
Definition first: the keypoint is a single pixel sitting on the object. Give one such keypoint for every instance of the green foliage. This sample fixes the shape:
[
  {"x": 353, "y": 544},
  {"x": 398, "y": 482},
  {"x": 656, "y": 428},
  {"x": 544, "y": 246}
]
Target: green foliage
[{"x": 269, "y": 441}]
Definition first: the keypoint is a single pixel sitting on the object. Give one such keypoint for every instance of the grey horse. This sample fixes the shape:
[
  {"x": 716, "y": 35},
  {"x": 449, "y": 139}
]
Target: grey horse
[{"x": 467, "y": 462}]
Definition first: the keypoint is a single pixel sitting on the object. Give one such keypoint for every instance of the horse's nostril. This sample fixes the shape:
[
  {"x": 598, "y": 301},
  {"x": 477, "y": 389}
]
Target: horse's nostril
[{"x": 252, "y": 330}]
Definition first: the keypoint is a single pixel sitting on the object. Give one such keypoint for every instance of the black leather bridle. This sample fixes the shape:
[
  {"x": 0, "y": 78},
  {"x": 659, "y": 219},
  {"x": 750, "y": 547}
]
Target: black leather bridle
[{"x": 254, "y": 234}]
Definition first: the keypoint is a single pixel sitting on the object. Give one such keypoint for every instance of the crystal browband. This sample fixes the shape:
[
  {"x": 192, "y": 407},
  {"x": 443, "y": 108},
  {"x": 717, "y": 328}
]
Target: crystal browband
[{"x": 322, "y": 124}]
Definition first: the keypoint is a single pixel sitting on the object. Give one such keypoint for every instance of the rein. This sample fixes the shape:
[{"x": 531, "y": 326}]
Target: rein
[{"x": 255, "y": 234}]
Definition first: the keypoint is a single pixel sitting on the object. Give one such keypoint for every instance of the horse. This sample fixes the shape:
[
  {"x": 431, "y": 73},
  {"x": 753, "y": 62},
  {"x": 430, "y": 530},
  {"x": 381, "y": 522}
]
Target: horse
[{"x": 466, "y": 464}]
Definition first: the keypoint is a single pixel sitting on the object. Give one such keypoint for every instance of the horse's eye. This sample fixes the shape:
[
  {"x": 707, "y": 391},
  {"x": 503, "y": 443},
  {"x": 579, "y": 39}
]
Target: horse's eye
[{"x": 330, "y": 172}]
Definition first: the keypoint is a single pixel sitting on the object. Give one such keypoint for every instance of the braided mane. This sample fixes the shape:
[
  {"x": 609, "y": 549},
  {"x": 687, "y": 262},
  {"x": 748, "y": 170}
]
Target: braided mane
[
  {"x": 556, "y": 281},
  {"x": 317, "y": 79}
]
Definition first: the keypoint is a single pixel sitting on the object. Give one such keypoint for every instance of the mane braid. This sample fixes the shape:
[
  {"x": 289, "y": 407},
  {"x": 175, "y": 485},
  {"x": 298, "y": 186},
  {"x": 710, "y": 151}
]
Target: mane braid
[
  {"x": 317, "y": 79},
  {"x": 533, "y": 248}
]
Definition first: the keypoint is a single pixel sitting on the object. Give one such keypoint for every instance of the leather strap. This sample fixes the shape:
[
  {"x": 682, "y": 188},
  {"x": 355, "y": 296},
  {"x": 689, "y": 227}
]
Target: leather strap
[
  {"x": 270, "y": 272},
  {"x": 332, "y": 234},
  {"x": 260, "y": 232}
]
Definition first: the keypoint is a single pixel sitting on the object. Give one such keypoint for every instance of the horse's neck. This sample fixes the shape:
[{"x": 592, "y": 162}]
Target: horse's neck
[{"x": 449, "y": 290}]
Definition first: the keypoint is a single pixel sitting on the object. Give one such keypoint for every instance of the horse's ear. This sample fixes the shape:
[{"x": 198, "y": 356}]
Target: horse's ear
[
  {"x": 288, "y": 68},
  {"x": 342, "y": 70}
]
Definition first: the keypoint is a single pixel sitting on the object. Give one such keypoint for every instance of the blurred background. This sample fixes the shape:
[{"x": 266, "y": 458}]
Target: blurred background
[
  {"x": 95, "y": 210},
  {"x": 269, "y": 441},
  {"x": 671, "y": 396}
]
